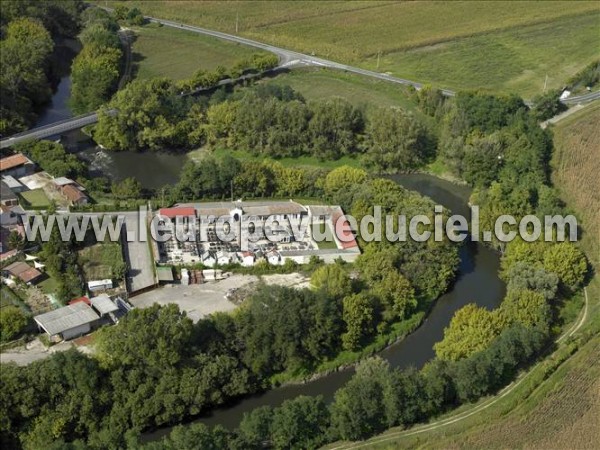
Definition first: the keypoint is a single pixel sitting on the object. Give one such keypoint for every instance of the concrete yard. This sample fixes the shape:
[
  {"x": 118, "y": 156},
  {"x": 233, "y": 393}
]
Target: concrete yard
[
  {"x": 137, "y": 254},
  {"x": 200, "y": 300}
]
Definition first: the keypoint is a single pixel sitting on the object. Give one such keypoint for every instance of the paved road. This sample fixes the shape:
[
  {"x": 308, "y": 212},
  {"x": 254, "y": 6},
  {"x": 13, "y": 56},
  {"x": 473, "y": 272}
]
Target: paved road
[{"x": 287, "y": 58}]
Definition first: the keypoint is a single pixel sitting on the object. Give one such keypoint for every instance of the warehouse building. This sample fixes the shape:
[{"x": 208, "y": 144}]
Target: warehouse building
[{"x": 68, "y": 322}]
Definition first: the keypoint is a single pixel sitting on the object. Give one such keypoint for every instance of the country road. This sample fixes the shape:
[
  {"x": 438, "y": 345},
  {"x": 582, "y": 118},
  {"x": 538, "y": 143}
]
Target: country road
[{"x": 287, "y": 59}]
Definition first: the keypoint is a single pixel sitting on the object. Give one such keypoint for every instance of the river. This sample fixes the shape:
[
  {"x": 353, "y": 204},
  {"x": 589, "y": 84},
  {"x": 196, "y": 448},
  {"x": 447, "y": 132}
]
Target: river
[{"x": 477, "y": 282}]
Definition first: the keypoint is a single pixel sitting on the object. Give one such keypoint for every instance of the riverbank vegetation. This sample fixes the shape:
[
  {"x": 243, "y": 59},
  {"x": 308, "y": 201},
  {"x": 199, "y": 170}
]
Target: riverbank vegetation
[
  {"x": 29, "y": 30},
  {"x": 96, "y": 69},
  {"x": 157, "y": 353}
]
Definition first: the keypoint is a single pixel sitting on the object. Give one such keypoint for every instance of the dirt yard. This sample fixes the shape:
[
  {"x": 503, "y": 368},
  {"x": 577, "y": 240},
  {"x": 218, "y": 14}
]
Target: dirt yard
[{"x": 200, "y": 300}]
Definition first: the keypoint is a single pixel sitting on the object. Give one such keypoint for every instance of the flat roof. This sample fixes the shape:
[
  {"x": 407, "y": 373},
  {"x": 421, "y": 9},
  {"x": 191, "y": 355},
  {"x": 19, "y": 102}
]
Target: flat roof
[
  {"x": 11, "y": 182},
  {"x": 6, "y": 192},
  {"x": 66, "y": 318},
  {"x": 96, "y": 283},
  {"x": 63, "y": 181},
  {"x": 165, "y": 273},
  {"x": 103, "y": 304}
]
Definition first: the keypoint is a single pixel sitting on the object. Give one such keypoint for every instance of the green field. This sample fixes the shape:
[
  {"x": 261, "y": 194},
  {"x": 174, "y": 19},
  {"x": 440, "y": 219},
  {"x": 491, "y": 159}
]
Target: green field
[
  {"x": 97, "y": 260},
  {"x": 301, "y": 161},
  {"x": 36, "y": 198},
  {"x": 501, "y": 46},
  {"x": 315, "y": 84},
  {"x": 177, "y": 54}
]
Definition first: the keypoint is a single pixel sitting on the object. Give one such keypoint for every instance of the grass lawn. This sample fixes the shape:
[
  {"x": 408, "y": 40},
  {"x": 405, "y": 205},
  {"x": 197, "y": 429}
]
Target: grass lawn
[
  {"x": 48, "y": 286},
  {"x": 501, "y": 45},
  {"x": 36, "y": 198},
  {"x": 302, "y": 161},
  {"x": 97, "y": 260},
  {"x": 169, "y": 52}
]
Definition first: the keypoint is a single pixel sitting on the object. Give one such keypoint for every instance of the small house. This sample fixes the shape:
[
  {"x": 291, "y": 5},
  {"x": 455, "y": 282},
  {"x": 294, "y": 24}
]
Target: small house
[
  {"x": 23, "y": 272},
  {"x": 74, "y": 195}
]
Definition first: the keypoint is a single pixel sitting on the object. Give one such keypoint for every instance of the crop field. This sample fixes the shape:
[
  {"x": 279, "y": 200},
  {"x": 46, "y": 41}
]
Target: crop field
[
  {"x": 177, "y": 54},
  {"x": 499, "y": 46},
  {"x": 576, "y": 165}
]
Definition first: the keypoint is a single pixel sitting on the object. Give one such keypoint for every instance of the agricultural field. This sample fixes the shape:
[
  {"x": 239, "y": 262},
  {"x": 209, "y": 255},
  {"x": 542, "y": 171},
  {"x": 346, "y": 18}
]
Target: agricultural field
[
  {"x": 168, "y": 52},
  {"x": 497, "y": 46}
]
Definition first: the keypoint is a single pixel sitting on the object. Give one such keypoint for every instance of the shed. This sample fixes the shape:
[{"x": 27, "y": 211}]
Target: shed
[
  {"x": 69, "y": 321},
  {"x": 164, "y": 274},
  {"x": 23, "y": 271},
  {"x": 100, "y": 285},
  {"x": 104, "y": 305}
]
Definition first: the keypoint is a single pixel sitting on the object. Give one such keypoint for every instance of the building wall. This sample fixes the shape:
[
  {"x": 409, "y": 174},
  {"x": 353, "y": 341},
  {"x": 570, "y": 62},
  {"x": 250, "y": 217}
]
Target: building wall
[{"x": 76, "y": 332}]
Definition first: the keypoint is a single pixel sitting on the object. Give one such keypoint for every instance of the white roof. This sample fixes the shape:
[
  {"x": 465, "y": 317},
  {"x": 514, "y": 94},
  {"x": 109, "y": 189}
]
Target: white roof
[
  {"x": 99, "y": 283},
  {"x": 65, "y": 318},
  {"x": 11, "y": 181},
  {"x": 63, "y": 181},
  {"x": 103, "y": 304}
]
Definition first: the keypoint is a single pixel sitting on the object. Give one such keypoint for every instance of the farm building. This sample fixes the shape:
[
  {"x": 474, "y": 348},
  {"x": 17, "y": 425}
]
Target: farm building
[{"x": 68, "y": 322}]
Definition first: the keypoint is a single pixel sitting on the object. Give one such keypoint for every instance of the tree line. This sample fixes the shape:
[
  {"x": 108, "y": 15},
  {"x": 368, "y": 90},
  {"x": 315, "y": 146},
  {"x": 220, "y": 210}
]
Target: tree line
[
  {"x": 28, "y": 32},
  {"x": 96, "y": 69},
  {"x": 265, "y": 120}
]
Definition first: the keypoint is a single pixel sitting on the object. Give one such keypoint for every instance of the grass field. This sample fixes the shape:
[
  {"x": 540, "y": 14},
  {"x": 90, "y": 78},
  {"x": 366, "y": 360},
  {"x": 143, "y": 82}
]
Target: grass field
[
  {"x": 302, "y": 161},
  {"x": 315, "y": 84},
  {"x": 501, "y": 46},
  {"x": 177, "y": 54},
  {"x": 97, "y": 260},
  {"x": 35, "y": 198}
]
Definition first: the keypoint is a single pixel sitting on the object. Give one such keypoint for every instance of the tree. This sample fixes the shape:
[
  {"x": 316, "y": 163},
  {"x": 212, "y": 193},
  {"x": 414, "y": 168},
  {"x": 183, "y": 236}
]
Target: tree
[
  {"x": 526, "y": 307},
  {"x": 568, "y": 262},
  {"x": 255, "y": 427},
  {"x": 333, "y": 279},
  {"x": 396, "y": 295},
  {"x": 53, "y": 158},
  {"x": 396, "y": 141},
  {"x": 547, "y": 105},
  {"x": 359, "y": 315},
  {"x": 523, "y": 276},
  {"x": 12, "y": 322},
  {"x": 471, "y": 329},
  {"x": 342, "y": 178},
  {"x": 158, "y": 336},
  {"x": 358, "y": 410},
  {"x": 300, "y": 423},
  {"x": 129, "y": 188},
  {"x": 15, "y": 241}
]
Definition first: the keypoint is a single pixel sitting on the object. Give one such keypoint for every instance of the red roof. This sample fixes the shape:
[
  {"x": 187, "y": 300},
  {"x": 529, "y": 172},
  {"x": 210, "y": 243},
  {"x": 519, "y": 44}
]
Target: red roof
[
  {"x": 81, "y": 300},
  {"x": 177, "y": 212},
  {"x": 343, "y": 231},
  {"x": 13, "y": 161}
]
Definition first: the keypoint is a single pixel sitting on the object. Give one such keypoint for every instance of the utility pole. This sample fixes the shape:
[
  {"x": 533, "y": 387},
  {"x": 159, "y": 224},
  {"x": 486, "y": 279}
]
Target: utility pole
[
  {"x": 378, "y": 56},
  {"x": 545, "y": 83},
  {"x": 237, "y": 22}
]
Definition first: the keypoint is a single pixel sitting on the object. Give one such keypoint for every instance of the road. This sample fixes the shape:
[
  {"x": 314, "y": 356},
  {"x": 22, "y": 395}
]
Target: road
[{"x": 287, "y": 59}]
